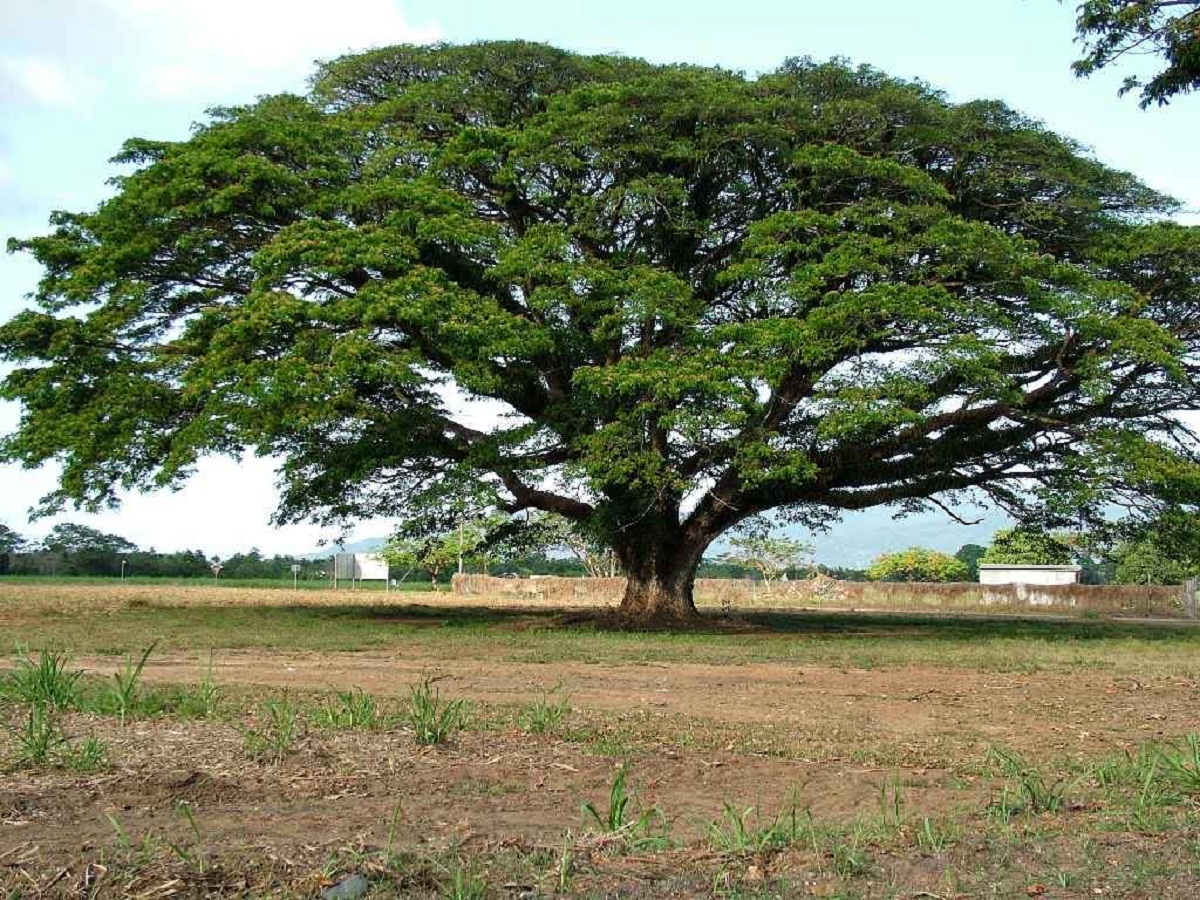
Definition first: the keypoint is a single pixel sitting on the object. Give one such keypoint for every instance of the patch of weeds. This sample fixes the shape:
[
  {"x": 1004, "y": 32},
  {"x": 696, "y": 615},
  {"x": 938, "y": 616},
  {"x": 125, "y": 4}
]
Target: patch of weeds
[
  {"x": 1005, "y": 807},
  {"x": 48, "y": 681},
  {"x": 191, "y": 856},
  {"x": 38, "y": 739},
  {"x": 146, "y": 849},
  {"x": 277, "y": 732},
  {"x": 618, "y": 823},
  {"x": 891, "y": 804},
  {"x": 462, "y": 882},
  {"x": 123, "y": 694},
  {"x": 848, "y": 856},
  {"x": 545, "y": 714},
  {"x": 199, "y": 701},
  {"x": 1064, "y": 878},
  {"x": 1181, "y": 764},
  {"x": 432, "y": 719},
  {"x": 40, "y": 742},
  {"x": 483, "y": 787},
  {"x": 1040, "y": 793},
  {"x": 347, "y": 710},
  {"x": 89, "y": 756},
  {"x": 741, "y": 832},
  {"x": 934, "y": 838},
  {"x": 566, "y": 859}
]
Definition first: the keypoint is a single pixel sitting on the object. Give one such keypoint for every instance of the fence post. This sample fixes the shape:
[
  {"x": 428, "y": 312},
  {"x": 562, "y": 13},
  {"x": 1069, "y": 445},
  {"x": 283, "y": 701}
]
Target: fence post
[{"x": 1189, "y": 598}]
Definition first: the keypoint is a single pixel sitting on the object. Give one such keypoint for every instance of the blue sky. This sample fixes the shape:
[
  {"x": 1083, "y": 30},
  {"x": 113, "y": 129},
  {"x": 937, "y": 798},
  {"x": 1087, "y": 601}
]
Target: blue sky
[{"x": 79, "y": 76}]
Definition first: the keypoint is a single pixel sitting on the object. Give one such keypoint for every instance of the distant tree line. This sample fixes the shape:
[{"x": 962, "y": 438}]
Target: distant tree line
[
  {"x": 1165, "y": 554},
  {"x": 77, "y": 550}
]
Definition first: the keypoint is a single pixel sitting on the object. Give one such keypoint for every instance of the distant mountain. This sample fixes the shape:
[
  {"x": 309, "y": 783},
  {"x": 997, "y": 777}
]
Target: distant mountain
[{"x": 853, "y": 542}]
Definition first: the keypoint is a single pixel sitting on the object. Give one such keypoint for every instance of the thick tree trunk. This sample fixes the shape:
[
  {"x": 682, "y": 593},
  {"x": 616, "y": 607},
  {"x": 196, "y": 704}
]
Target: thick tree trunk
[{"x": 660, "y": 583}]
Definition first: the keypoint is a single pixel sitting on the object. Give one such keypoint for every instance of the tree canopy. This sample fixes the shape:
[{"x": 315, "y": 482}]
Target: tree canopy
[
  {"x": 68, "y": 537},
  {"x": 1168, "y": 29},
  {"x": 687, "y": 296},
  {"x": 1028, "y": 547},
  {"x": 918, "y": 564}
]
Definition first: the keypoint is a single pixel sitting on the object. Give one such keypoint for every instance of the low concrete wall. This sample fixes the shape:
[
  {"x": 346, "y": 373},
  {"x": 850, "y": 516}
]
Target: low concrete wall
[{"x": 825, "y": 593}]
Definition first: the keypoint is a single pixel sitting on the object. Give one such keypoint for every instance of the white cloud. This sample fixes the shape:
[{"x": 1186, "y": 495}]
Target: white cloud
[
  {"x": 202, "y": 47},
  {"x": 36, "y": 79}
]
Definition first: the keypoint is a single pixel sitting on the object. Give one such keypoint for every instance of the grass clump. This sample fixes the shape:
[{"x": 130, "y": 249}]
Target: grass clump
[
  {"x": 741, "y": 831},
  {"x": 618, "y": 824},
  {"x": 434, "y": 720},
  {"x": 348, "y": 710},
  {"x": 47, "y": 682},
  {"x": 277, "y": 732},
  {"x": 199, "y": 701},
  {"x": 1181, "y": 764},
  {"x": 546, "y": 713},
  {"x": 40, "y": 742},
  {"x": 1040, "y": 793},
  {"x": 123, "y": 695}
]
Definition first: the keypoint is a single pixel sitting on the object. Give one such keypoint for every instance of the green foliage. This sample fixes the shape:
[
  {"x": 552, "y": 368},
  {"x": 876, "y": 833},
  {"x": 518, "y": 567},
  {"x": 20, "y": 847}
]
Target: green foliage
[
  {"x": 770, "y": 556},
  {"x": 1147, "y": 562},
  {"x": 201, "y": 700},
  {"x": 546, "y": 713},
  {"x": 699, "y": 296},
  {"x": 10, "y": 541},
  {"x": 917, "y": 564},
  {"x": 47, "y": 682},
  {"x": 39, "y": 741},
  {"x": 434, "y": 720},
  {"x": 618, "y": 821},
  {"x": 970, "y": 555},
  {"x": 348, "y": 710},
  {"x": 1170, "y": 29},
  {"x": 1028, "y": 547},
  {"x": 68, "y": 537},
  {"x": 1181, "y": 764},
  {"x": 462, "y": 882},
  {"x": 37, "y": 738},
  {"x": 276, "y": 732},
  {"x": 122, "y": 694},
  {"x": 742, "y": 831},
  {"x": 1040, "y": 792}
]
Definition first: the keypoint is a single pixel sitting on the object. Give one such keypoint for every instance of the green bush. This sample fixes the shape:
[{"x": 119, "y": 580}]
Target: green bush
[{"x": 917, "y": 564}]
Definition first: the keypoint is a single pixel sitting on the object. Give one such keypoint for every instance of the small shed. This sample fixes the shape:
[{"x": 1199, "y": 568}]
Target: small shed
[{"x": 1003, "y": 573}]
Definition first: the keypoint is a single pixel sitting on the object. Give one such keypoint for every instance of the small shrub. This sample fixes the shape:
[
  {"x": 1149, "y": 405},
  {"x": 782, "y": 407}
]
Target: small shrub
[
  {"x": 545, "y": 714},
  {"x": 47, "y": 681},
  {"x": 432, "y": 719},
  {"x": 278, "y": 731}
]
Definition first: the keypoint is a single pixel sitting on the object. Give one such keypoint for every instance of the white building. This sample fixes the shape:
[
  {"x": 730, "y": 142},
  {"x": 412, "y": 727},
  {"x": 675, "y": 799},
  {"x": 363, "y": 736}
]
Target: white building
[{"x": 1003, "y": 573}]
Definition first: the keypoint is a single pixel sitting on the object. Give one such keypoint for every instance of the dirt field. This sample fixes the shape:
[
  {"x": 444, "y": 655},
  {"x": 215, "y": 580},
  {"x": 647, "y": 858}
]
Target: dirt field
[{"x": 836, "y": 756}]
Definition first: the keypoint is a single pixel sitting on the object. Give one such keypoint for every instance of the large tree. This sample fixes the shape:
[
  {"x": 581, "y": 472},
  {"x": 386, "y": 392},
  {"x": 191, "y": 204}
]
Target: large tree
[
  {"x": 1111, "y": 30},
  {"x": 689, "y": 297}
]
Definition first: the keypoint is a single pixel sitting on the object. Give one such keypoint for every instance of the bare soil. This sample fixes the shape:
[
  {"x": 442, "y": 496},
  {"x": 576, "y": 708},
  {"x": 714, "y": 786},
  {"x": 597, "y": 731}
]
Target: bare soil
[{"x": 694, "y": 737}]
